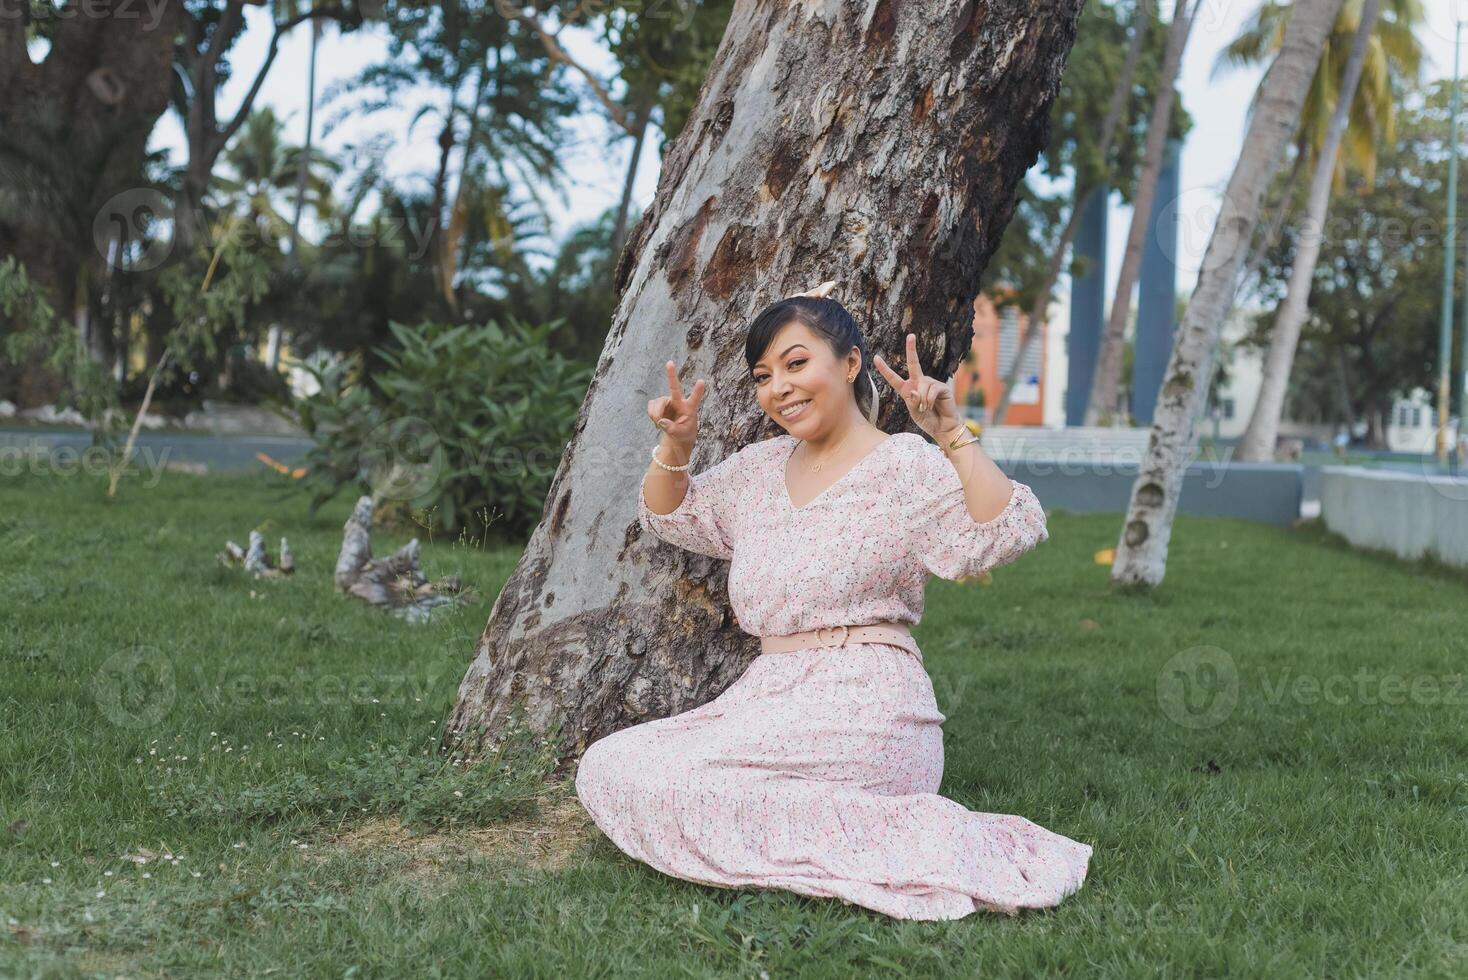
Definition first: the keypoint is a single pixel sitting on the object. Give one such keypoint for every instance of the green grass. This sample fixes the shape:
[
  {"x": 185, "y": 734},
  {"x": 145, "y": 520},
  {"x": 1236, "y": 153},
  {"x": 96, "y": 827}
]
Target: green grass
[{"x": 1267, "y": 832}]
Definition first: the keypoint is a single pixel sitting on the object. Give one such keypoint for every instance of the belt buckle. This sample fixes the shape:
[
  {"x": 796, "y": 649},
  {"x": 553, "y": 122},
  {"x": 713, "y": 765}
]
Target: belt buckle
[{"x": 820, "y": 637}]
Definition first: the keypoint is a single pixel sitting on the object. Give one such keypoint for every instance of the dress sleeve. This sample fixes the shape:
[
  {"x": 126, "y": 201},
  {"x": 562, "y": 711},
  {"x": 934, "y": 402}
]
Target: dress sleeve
[
  {"x": 704, "y": 521},
  {"x": 948, "y": 541}
]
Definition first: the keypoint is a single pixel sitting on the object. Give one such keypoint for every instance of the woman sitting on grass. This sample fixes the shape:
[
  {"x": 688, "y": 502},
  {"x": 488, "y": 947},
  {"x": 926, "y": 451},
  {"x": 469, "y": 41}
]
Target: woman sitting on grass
[{"x": 817, "y": 771}]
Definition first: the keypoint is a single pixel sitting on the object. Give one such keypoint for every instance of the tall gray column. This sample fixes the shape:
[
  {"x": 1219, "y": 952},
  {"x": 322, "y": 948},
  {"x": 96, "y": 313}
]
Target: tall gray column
[
  {"x": 1087, "y": 304},
  {"x": 1157, "y": 294}
]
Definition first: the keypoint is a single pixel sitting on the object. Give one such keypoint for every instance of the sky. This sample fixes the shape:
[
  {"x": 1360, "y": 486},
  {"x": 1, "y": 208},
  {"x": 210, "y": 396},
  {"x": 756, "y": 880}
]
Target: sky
[{"x": 597, "y": 162}]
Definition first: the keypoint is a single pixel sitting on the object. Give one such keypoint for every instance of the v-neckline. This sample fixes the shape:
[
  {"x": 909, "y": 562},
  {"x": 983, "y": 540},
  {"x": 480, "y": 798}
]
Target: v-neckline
[{"x": 785, "y": 465}]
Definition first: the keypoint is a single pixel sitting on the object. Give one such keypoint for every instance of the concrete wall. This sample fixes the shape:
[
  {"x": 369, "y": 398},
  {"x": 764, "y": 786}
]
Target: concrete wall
[
  {"x": 1267, "y": 492},
  {"x": 1405, "y": 513}
]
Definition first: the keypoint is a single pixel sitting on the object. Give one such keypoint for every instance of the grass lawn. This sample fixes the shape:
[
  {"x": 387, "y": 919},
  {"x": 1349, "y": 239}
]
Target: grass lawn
[{"x": 1268, "y": 755}]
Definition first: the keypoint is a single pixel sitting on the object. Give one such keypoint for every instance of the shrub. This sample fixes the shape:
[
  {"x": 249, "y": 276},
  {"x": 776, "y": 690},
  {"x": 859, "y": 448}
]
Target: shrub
[{"x": 466, "y": 423}]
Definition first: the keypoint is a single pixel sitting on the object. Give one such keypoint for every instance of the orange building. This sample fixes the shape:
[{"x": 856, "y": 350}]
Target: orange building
[{"x": 996, "y": 339}]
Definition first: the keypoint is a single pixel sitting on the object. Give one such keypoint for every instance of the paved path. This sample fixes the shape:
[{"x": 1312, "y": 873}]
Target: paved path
[{"x": 233, "y": 453}]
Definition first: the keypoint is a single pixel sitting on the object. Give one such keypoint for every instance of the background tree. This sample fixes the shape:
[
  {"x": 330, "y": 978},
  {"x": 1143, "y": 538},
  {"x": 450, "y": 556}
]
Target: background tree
[
  {"x": 1395, "y": 51},
  {"x": 1365, "y": 107},
  {"x": 1141, "y": 553},
  {"x": 501, "y": 104},
  {"x": 76, "y": 126},
  {"x": 1370, "y": 337},
  {"x": 210, "y": 30},
  {"x": 261, "y": 182}
]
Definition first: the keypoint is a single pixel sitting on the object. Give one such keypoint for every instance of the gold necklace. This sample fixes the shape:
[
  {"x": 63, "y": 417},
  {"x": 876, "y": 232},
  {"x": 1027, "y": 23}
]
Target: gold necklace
[{"x": 816, "y": 467}]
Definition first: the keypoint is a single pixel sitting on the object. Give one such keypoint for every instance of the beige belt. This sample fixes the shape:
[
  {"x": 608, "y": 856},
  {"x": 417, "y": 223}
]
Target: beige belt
[{"x": 893, "y": 633}]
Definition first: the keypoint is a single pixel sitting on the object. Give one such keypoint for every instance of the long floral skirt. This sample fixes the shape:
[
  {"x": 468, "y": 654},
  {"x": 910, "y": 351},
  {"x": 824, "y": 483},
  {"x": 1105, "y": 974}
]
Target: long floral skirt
[{"x": 817, "y": 772}]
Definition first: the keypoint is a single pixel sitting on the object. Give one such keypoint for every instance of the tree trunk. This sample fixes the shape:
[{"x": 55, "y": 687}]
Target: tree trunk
[
  {"x": 1257, "y": 443},
  {"x": 1141, "y": 552},
  {"x": 1108, "y": 361},
  {"x": 1120, "y": 95},
  {"x": 92, "y": 102},
  {"x": 899, "y": 160}
]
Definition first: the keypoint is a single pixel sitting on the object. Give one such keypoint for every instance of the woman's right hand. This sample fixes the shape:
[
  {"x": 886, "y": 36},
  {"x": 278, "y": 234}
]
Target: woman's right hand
[{"x": 676, "y": 414}]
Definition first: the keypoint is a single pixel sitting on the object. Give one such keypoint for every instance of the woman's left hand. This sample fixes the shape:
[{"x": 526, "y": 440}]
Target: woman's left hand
[{"x": 931, "y": 402}]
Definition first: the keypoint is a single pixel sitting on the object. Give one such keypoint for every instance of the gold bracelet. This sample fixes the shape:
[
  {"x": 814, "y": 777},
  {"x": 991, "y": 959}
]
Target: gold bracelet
[
  {"x": 971, "y": 441},
  {"x": 955, "y": 444}
]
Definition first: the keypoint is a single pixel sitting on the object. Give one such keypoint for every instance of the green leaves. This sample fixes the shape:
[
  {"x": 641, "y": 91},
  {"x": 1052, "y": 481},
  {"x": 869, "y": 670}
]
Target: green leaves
[{"x": 464, "y": 418}]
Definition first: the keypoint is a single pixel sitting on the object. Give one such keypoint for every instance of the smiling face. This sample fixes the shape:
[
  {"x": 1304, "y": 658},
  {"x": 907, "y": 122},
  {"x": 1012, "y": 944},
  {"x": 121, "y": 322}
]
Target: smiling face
[{"x": 801, "y": 384}]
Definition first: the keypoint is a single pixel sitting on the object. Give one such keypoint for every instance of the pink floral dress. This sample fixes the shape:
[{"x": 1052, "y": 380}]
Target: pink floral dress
[{"x": 817, "y": 771}]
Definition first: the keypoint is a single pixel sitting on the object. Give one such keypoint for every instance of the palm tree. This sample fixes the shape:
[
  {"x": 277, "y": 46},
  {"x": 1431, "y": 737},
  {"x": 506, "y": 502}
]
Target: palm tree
[
  {"x": 502, "y": 104},
  {"x": 1393, "y": 60},
  {"x": 261, "y": 168},
  {"x": 1367, "y": 62},
  {"x": 1141, "y": 551},
  {"x": 261, "y": 172},
  {"x": 1396, "y": 41}
]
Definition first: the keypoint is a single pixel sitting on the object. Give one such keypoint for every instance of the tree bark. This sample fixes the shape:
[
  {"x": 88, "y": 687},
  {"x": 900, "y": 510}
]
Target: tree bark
[
  {"x": 1107, "y": 378},
  {"x": 92, "y": 102},
  {"x": 1141, "y": 552},
  {"x": 885, "y": 140},
  {"x": 1039, "y": 311},
  {"x": 1257, "y": 444}
]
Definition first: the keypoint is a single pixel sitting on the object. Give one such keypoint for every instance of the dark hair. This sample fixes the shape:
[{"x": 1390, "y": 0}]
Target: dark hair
[{"x": 827, "y": 318}]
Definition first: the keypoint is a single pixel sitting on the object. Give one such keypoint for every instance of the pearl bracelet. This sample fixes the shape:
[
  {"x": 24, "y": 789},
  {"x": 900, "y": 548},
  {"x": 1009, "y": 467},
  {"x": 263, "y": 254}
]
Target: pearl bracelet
[{"x": 674, "y": 469}]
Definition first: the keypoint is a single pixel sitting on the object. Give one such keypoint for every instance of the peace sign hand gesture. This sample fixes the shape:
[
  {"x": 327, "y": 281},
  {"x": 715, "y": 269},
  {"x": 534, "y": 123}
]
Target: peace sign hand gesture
[
  {"x": 676, "y": 414},
  {"x": 931, "y": 402}
]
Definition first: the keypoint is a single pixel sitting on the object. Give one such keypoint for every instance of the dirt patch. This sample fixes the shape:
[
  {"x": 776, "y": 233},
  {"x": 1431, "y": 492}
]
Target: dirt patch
[{"x": 545, "y": 842}]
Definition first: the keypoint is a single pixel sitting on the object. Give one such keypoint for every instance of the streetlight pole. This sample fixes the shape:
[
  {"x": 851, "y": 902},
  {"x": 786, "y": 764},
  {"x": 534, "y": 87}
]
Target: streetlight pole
[{"x": 1445, "y": 340}]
